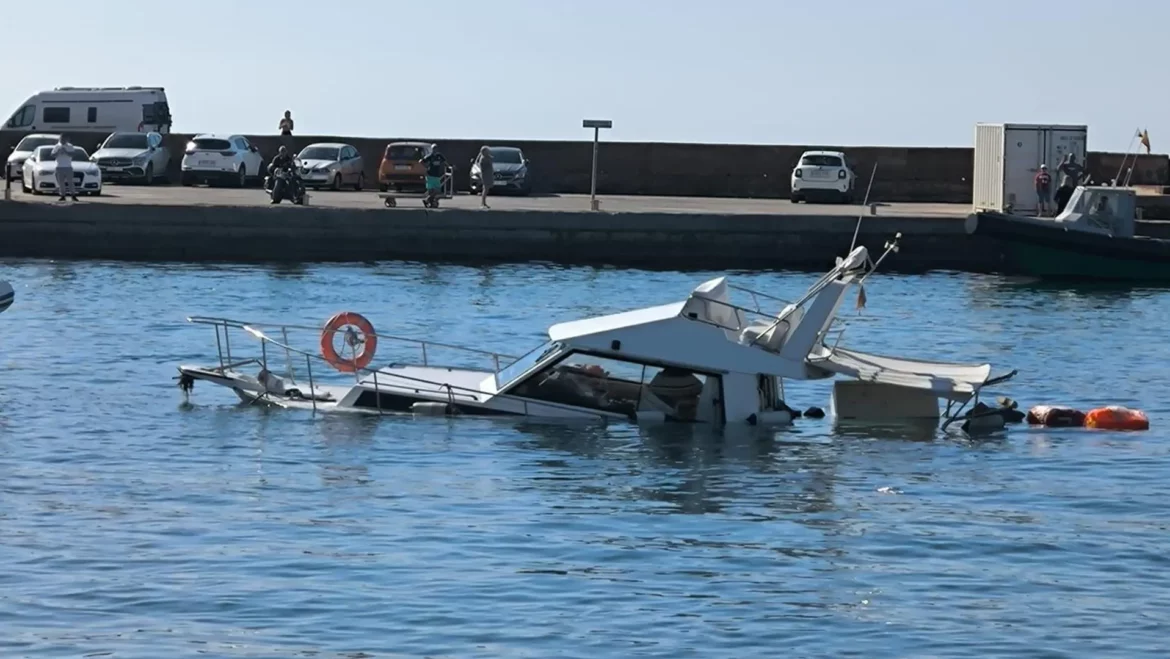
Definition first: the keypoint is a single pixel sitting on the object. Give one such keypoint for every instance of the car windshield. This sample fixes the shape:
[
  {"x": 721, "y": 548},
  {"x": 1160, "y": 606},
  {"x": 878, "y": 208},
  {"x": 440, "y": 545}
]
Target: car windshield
[
  {"x": 126, "y": 141},
  {"x": 211, "y": 144},
  {"x": 403, "y": 152},
  {"x": 820, "y": 161},
  {"x": 522, "y": 365},
  {"x": 507, "y": 156},
  {"x": 320, "y": 153},
  {"x": 31, "y": 143},
  {"x": 46, "y": 153}
]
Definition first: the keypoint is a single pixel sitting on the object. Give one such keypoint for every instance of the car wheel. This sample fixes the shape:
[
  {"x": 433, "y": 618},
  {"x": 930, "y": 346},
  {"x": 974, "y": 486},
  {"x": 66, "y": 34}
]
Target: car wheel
[
  {"x": 24, "y": 186},
  {"x": 243, "y": 180},
  {"x": 149, "y": 176},
  {"x": 794, "y": 199},
  {"x": 361, "y": 182},
  {"x": 96, "y": 193},
  {"x": 382, "y": 187},
  {"x": 847, "y": 198},
  {"x": 336, "y": 182}
]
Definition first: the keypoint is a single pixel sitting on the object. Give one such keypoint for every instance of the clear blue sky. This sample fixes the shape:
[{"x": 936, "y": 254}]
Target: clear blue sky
[{"x": 916, "y": 72}]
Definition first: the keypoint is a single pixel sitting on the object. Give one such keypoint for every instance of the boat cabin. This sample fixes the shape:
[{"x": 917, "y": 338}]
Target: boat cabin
[{"x": 1099, "y": 209}]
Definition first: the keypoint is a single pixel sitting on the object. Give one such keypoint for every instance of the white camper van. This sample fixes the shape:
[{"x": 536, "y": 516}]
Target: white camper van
[{"x": 93, "y": 109}]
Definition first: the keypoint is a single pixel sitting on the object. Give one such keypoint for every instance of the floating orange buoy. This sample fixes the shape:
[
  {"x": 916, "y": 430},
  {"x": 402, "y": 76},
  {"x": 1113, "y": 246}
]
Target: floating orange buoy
[
  {"x": 1116, "y": 417},
  {"x": 357, "y": 335},
  {"x": 1055, "y": 416}
]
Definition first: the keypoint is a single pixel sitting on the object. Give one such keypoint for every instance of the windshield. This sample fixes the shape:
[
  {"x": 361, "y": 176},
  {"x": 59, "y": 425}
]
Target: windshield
[
  {"x": 522, "y": 365},
  {"x": 31, "y": 143},
  {"x": 320, "y": 153},
  {"x": 46, "y": 153},
  {"x": 507, "y": 156},
  {"x": 820, "y": 161},
  {"x": 211, "y": 144},
  {"x": 403, "y": 152},
  {"x": 127, "y": 141}
]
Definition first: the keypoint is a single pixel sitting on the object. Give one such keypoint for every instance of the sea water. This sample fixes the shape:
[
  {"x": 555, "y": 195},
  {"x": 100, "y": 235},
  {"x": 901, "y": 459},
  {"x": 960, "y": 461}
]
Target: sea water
[{"x": 137, "y": 524}]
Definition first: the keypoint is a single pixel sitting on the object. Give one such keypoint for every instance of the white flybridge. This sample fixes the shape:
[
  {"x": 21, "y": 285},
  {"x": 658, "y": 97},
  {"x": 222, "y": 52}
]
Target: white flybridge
[{"x": 703, "y": 359}]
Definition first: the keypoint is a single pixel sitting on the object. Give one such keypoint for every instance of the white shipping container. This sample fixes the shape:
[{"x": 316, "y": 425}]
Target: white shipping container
[{"x": 1007, "y": 157}]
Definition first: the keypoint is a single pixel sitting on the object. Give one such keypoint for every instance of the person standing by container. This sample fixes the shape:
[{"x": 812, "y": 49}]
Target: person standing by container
[
  {"x": 1070, "y": 177},
  {"x": 1043, "y": 183},
  {"x": 63, "y": 155},
  {"x": 486, "y": 175}
]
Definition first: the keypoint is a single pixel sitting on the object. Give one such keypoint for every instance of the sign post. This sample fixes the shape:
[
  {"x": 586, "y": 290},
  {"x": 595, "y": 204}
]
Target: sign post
[{"x": 596, "y": 125}]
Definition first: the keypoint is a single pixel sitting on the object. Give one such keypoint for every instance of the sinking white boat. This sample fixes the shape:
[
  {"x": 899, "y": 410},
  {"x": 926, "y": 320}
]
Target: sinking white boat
[
  {"x": 702, "y": 359},
  {"x": 7, "y": 295}
]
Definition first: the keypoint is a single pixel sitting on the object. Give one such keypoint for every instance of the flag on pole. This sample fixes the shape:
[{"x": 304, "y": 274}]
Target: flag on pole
[
  {"x": 1145, "y": 135},
  {"x": 860, "y": 297}
]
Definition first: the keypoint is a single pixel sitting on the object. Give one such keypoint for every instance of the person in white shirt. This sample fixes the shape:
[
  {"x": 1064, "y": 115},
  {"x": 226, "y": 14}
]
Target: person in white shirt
[{"x": 63, "y": 155}]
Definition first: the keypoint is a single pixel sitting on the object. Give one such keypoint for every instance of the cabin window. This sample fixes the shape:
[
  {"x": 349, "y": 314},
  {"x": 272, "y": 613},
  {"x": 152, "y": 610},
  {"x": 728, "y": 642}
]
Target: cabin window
[
  {"x": 624, "y": 387},
  {"x": 24, "y": 117},
  {"x": 91, "y": 115},
  {"x": 55, "y": 115},
  {"x": 156, "y": 114}
]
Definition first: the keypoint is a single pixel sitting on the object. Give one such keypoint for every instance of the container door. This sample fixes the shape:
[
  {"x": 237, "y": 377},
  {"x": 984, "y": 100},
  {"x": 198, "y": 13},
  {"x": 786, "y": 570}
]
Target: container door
[
  {"x": 1023, "y": 153},
  {"x": 1062, "y": 141}
]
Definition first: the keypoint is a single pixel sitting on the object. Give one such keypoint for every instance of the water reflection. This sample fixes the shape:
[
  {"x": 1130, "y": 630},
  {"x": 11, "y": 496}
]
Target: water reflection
[
  {"x": 288, "y": 271},
  {"x": 1048, "y": 295},
  {"x": 686, "y": 469},
  {"x": 907, "y": 431}
]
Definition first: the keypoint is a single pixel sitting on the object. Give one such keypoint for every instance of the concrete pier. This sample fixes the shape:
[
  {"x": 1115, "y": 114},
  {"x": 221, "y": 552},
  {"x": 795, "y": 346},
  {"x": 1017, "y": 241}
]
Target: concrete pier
[{"x": 211, "y": 224}]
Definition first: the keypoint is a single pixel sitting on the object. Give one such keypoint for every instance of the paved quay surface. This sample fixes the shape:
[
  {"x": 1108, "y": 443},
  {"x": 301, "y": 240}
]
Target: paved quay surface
[{"x": 366, "y": 199}]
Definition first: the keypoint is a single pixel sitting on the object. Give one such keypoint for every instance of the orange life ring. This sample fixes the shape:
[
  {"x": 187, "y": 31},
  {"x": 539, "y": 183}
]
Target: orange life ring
[
  {"x": 362, "y": 342},
  {"x": 1116, "y": 417}
]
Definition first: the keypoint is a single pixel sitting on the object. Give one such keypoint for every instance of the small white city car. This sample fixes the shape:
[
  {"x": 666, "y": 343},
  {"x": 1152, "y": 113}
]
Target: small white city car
[
  {"x": 40, "y": 172},
  {"x": 822, "y": 175}
]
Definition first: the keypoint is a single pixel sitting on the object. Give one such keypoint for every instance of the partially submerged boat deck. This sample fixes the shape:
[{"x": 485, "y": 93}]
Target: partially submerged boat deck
[{"x": 704, "y": 359}]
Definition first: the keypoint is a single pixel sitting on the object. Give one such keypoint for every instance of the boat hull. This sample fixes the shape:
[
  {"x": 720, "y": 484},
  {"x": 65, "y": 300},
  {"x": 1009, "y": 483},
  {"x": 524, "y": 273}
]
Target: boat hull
[{"x": 1056, "y": 252}]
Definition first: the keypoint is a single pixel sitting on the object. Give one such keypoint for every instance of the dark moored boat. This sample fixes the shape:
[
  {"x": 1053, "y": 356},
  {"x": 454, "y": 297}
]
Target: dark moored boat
[{"x": 1093, "y": 238}]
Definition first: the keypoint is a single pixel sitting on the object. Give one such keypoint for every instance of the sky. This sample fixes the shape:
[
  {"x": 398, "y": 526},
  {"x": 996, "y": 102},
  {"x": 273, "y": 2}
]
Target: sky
[{"x": 810, "y": 72}]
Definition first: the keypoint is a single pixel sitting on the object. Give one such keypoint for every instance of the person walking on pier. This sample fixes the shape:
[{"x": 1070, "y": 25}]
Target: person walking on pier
[
  {"x": 63, "y": 155},
  {"x": 1043, "y": 183},
  {"x": 486, "y": 175}
]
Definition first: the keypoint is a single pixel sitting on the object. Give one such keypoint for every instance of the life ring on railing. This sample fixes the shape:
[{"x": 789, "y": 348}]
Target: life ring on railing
[
  {"x": 357, "y": 338},
  {"x": 1116, "y": 417}
]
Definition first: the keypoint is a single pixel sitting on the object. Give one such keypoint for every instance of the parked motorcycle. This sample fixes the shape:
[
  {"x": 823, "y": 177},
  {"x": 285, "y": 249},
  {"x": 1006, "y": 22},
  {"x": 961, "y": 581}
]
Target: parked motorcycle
[{"x": 284, "y": 184}]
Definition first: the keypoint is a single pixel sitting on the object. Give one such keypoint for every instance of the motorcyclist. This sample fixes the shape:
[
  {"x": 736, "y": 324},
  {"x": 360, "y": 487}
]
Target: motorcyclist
[{"x": 284, "y": 160}]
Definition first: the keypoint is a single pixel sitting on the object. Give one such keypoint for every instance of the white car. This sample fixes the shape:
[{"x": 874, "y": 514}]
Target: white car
[
  {"x": 24, "y": 149},
  {"x": 133, "y": 157},
  {"x": 221, "y": 159},
  {"x": 822, "y": 174},
  {"x": 40, "y": 172}
]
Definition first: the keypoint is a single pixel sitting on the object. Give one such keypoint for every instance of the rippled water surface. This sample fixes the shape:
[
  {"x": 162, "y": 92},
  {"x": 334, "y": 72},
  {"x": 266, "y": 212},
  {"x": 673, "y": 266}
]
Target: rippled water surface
[{"x": 134, "y": 525}]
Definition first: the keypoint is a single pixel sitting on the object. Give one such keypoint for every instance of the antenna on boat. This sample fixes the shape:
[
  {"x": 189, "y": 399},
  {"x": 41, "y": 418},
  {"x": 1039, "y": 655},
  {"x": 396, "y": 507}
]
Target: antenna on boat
[{"x": 864, "y": 203}]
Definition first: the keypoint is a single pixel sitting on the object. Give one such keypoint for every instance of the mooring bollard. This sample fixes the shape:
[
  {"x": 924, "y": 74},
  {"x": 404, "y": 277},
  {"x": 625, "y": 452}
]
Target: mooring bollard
[{"x": 873, "y": 209}]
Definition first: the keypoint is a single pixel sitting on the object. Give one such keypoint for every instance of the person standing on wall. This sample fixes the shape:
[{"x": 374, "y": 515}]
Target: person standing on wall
[
  {"x": 1043, "y": 183},
  {"x": 286, "y": 129},
  {"x": 1070, "y": 177},
  {"x": 63, "y": 155},
  {"x": 486, "y": 175}
]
